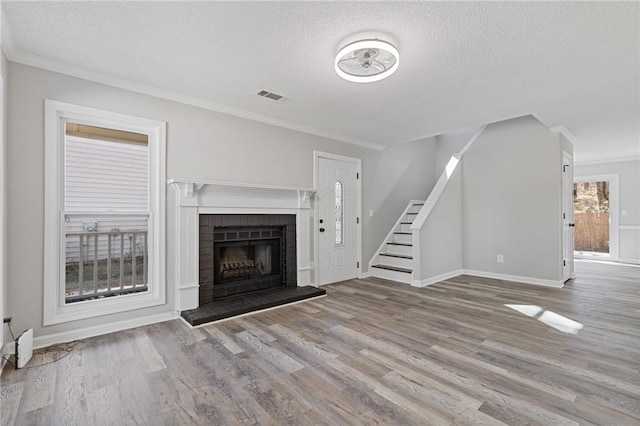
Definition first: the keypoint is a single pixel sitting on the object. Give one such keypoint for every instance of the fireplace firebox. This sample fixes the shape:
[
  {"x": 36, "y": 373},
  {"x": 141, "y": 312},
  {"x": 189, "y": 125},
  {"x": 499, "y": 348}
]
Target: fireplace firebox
[
  {"x": 241, "y": 254},
  {"x": 247, "y": 255}
]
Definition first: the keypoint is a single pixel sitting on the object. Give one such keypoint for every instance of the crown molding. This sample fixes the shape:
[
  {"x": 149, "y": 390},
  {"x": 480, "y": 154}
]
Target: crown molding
[
  {"x": 564, "y": 132},
  {"x": 607, "y": 160},
  {"x": 147, "y": 89},
  {"x": 602, "y": 160}
]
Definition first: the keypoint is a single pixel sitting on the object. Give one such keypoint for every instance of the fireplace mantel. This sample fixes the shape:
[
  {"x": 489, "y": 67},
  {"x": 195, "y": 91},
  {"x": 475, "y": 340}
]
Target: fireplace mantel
[
  {"x": 188, "y": 189},
  {"x": 195, "y": 197}
]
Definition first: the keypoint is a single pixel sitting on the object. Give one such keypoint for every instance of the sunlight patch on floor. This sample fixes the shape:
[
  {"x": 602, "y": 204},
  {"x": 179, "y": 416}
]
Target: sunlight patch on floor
[
  {"x": 557, "y": 321},
  {"x": 528, "y": 310},
  {"x": 560, "y": 322}
]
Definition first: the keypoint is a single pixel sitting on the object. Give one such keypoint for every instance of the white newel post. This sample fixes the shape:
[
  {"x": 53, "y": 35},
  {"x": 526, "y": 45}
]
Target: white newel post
[{"x": 199, "y": 197}]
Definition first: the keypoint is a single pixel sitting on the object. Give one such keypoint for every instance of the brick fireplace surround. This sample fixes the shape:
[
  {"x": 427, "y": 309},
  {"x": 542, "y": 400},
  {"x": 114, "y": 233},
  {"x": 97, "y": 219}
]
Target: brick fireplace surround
[{"x": 239, "y": 231}]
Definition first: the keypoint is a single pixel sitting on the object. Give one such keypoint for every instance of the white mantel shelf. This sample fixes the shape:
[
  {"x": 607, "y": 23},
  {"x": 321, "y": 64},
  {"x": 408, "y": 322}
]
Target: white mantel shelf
[
  {"x": 201, "y": 183},
  {"x": 195, "y": 197}
]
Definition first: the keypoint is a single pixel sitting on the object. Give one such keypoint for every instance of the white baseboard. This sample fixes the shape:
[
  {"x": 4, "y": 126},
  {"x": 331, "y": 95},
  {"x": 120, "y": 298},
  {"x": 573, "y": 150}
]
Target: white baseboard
[
  {"x": 436, "y": 279},
  {"x": 515, "y": 278},
  {"x": 483, "y": 274},
  {"x": 188, "y": 295},
  {"x": 304, "y": 276},
  {"x": 629, "y": 260},
  {"x": 98, "y": 330},
  {"x": 364, "y": 275}
]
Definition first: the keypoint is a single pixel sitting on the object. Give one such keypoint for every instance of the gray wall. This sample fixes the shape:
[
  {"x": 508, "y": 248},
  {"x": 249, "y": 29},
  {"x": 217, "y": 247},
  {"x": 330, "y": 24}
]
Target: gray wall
[
  {"x": 452, "y": 143},
  {"x": 629, "y": 195},
  {"x": 404, "y": 172},
  {"x": 511, "y": 200},
  {"x": 201, "y": 144},
  {"x": 441, "y": 235}
]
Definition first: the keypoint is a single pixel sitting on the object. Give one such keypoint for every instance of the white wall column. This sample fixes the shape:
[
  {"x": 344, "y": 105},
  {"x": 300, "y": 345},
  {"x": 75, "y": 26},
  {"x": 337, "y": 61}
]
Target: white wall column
[{"x": 303, "y": 248}]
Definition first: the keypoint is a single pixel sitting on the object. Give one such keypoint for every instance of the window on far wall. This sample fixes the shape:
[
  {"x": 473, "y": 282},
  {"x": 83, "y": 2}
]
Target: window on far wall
[
  {"x": 104, "y": 212},
  {"x": 591, "y": 216}
]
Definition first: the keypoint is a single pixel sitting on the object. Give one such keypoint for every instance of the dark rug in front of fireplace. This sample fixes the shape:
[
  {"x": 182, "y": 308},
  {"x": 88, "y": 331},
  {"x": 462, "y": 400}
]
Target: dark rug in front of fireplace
[{"x": 237, "y": 305}]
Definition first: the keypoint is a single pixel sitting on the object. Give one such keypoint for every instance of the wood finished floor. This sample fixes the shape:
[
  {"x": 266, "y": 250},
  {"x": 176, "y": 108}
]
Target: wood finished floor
[{"x": 372, "y": 352}]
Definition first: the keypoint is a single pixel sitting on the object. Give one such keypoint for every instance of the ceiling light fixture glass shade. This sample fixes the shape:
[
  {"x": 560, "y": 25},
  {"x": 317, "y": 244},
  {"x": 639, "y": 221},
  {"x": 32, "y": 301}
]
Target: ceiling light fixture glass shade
[{"x": 366, "y": 61}]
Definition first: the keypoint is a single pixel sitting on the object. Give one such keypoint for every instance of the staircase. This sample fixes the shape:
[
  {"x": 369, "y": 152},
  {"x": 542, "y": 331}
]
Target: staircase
[{"x": 394, "y": 259}]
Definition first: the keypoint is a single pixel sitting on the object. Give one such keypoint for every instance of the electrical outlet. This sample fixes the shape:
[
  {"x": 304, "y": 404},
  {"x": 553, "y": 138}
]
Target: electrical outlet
[
  {"x": 500, "y": 258},
  {"x": 7, "y": 320}
]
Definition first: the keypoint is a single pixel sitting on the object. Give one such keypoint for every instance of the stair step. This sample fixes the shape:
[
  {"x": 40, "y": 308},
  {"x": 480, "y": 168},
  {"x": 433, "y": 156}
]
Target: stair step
[
  {"x": 402, "y": 256},
  {"x": 395, "y": 274},
  {"x": 405, "y": 227},
  {"x": 398, "y": 260},
  {"x": 415, "y": 208},
  {"x": 402, "y": 237},
  {"x": 393, "y": 268},
  {"x": 400, "y": 248}
]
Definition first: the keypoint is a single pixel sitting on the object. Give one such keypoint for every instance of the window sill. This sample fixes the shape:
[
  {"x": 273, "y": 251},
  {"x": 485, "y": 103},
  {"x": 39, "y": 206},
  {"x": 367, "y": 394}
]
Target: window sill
[{"x": 99, "y": 307}]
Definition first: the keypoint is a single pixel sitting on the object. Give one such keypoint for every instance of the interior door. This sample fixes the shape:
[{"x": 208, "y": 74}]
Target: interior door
[
  {"x": 567, "y": 216},
  {"x": 337, "y": 222}
]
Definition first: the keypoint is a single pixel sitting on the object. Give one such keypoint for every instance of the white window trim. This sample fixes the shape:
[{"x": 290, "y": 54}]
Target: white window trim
[{"x": 55, "y": 309}]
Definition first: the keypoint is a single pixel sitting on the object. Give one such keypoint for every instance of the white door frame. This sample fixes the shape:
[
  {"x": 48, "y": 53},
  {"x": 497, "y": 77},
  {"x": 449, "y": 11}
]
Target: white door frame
[
  {"x": 3, "y": 212},
  {"x": 358, "y": 199},
  {"x": 567, "y": 202},
  {"x": 614, "y": 220}
]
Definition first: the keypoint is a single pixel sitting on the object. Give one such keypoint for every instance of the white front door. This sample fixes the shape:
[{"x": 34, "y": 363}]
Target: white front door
[
  {"x": 337, "y": 221},
  {"x": 567, "y": 216}
]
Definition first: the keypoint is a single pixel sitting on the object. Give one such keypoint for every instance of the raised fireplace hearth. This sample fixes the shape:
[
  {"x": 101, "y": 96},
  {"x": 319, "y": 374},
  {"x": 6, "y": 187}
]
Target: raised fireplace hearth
[{"x": 245, "y": 253}]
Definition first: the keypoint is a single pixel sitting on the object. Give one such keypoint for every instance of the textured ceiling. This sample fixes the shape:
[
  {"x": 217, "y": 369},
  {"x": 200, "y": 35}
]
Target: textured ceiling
[{"x": 462, "y": 64}]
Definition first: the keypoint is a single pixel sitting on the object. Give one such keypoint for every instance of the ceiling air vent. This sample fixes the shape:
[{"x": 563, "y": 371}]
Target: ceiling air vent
[{"x": 273, "y": 96}]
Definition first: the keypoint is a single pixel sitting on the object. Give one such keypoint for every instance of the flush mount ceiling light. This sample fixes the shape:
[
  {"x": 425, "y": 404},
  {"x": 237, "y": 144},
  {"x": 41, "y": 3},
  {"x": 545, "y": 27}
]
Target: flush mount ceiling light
[{"x": 366, "y": 61}]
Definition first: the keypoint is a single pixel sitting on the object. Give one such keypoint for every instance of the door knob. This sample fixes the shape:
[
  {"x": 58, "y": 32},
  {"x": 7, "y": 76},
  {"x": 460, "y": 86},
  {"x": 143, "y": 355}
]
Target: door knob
[{"x": 321, "y": 229}]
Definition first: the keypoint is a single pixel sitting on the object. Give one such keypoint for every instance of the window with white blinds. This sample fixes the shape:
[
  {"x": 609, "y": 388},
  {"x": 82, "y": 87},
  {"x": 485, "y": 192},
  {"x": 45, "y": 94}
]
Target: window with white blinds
[{"x": 104, "y": 207}]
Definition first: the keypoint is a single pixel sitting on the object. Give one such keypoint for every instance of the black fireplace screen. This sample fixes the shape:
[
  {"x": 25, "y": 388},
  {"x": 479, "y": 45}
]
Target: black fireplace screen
[
  {"x": 246, "y": 260},
  {"x": 247, "y": 255}
]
